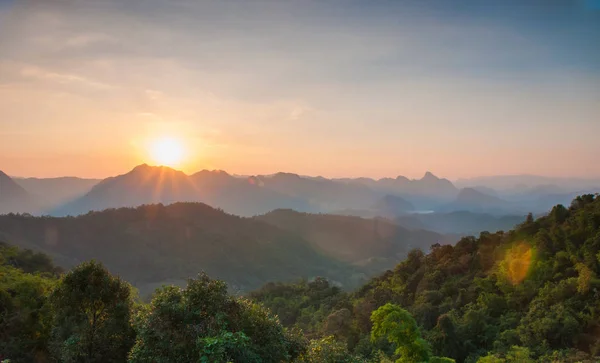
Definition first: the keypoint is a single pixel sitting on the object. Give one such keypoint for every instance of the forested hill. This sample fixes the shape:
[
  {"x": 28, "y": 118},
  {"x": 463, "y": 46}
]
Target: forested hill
[
  {"x": 531, "y": 294},
  {"x": 156, "y": 244},
  {"x": 373, "y": 243}
]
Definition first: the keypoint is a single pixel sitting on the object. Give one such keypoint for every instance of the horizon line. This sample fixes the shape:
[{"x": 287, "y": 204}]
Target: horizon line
[{"x": 453, "y": 180}]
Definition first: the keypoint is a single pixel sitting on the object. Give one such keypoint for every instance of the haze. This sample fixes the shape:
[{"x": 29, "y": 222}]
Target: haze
[{"x": 338, "y": 88}]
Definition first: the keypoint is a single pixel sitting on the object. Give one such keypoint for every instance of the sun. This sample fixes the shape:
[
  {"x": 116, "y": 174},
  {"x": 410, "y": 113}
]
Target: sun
[{"x": 167, "y": 151}]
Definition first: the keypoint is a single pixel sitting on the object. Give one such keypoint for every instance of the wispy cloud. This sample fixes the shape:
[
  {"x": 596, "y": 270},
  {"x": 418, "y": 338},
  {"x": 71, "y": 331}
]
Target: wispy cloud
[{"x": 64, "y": 78}]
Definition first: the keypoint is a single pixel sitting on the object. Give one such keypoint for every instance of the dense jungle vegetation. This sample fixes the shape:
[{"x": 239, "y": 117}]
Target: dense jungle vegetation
[{"x": 526, "y": 295}]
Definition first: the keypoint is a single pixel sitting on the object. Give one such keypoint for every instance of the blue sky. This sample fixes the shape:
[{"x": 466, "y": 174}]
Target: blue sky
[{"x": 336, "y": 88}]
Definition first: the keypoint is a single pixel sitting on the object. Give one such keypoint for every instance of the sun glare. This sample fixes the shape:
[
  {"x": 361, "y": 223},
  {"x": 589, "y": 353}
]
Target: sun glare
[{"x": 167, "y": 151}]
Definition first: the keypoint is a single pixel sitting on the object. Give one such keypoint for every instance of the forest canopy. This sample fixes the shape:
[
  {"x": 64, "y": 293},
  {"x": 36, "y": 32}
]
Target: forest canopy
[{"x": 527, "y": 295}]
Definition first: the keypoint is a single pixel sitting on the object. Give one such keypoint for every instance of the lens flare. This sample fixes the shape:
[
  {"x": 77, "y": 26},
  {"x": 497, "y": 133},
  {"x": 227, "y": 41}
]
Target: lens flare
[{"x": 517, "y": 262}]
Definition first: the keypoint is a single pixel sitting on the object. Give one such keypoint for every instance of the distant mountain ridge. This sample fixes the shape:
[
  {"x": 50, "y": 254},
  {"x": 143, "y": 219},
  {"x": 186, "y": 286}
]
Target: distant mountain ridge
[
  {"x": 251, "y": 195},
  {"x": 508, "y": 182},
  {"x": 150, "y": 184},
  {"x": 259, "y": 194},
  {"x": 15, "y": 199},
  {"x": 428, "y": 185},
  {"x": 52, "y": 192}
]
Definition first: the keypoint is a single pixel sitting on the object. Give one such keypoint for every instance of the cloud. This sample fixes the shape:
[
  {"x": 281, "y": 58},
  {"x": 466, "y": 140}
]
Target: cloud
[
  {"x": 82, "y": 40},
  {"x": 63, "y": 78}
]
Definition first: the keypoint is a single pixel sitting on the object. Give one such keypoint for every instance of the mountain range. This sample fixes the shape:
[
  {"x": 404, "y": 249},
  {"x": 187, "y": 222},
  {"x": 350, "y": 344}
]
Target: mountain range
[
  {"x": 524, "y": 182},
  {"x": 246, "y": 196},
  {"x": 260, "y": 194}
]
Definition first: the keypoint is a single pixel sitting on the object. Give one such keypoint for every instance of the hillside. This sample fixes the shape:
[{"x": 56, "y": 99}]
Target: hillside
[
  {"x": 470, "y": 199},
  {"x": 531, "y": 292},
  {"x": 460, "y": 222},
  {"x": 391, "y": 206},
  {"x": 242, "y": 196},
  {"x": 15, "y": 199},
  {"x": 320, "y": 193},
  {"x": 154, "y": 244},
  {"x": 143, "y": 185},
  {"x": 53, "y": 192},
  {"x": 375, "y": 243}
]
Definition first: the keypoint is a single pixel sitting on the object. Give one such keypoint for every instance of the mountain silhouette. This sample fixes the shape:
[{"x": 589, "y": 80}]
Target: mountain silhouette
[
  {"x": 143, "y": 185},
  {"x": 52, "y": 192},
  {"x": 391, "y": 206},
  {"x": 322, "y": 194},
  {"x": 159, "y": 184},
  {"x": 470, "y": 199},
  {"x": 14, "y": 198},
  {"x": 429, "y": 186},
  {"x": 242, "y": 196}
]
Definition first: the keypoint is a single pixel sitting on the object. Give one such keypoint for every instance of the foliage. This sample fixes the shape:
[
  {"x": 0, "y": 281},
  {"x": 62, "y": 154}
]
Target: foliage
[
  {"x": 92, "y": 312},
  {"x": 535, "y": 287},
  {"x": 202, "y": 323},
  {"x": 516, "y": 354},
  {"x": 27, "y": 260},
  {"x": 527, "y": 295},
  {"x": 316, "y": 307},
  {"x": 26, "y": 279},
  {"x": 328, "y": 350},
  {"x": 395, "y": 324}
]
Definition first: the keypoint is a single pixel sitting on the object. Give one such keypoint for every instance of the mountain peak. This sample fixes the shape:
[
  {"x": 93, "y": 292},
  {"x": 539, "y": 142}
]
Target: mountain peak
[
  {"x": 213, "y": 172},
  {"x": 429, "y": 176},
  {"x": 286, "y": 175},
  {"x": 14, "y": 198},
  {"x": 145, "y": 168}
]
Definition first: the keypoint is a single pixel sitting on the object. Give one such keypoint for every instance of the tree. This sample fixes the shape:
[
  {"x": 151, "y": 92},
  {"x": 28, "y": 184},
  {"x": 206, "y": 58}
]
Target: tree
[
  {"x": 92, "y": 311},
  {"x": 24, "y": 315},
  {"x": 202, "y": 323},
  {"x": 515, "y": 355},
  {"x": 26, "y": 279},
  {"x": 328, "y": 350},
  {"x": 397, "y": 326}
]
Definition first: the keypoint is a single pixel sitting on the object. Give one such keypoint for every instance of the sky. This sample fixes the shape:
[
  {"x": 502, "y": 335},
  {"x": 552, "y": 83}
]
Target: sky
[{"x": 340, "y": 88}]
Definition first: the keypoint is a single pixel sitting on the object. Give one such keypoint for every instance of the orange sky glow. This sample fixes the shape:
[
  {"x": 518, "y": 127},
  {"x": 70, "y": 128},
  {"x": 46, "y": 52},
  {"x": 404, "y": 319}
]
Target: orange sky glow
[{"x": 303, "y": 88}]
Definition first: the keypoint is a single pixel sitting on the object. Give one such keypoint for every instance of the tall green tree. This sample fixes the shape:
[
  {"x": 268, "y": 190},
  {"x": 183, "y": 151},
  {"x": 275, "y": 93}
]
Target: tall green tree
[
  {"x": 202, "y": 323},
  {"x": 92, "y": 313},
  {"x": 26, "y": 279},
  {"x": 397, "y": 326},
  {"x": 328, "y": 350},
  {"x": 24, "y": 315}
]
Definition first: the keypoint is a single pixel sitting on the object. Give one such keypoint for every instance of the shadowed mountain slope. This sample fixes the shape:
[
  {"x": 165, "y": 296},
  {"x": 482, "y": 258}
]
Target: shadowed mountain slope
[
  {"x": 15, "y": 199},
  {"x": 53, "y": 192},
  {"x": 154, "y": 244},
  {"x": 375, "y": 243}
]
